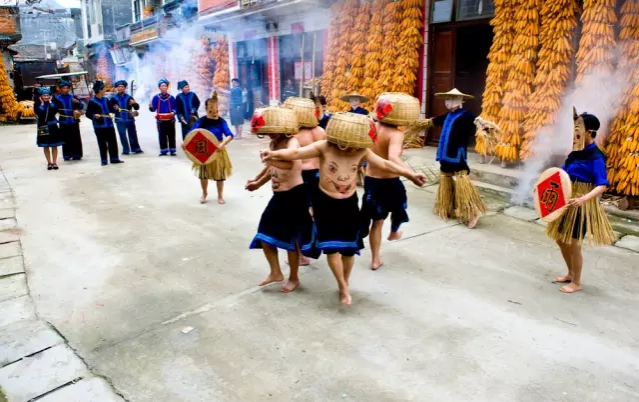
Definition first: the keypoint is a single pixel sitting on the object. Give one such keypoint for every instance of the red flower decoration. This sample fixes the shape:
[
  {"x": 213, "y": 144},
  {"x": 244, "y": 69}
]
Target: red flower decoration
[
  {"x": 373, "y": 132},
  {"x": 383, "y": 108},
  {"x": 317, "y": 113},
  {"x": 257, "y": 122}
]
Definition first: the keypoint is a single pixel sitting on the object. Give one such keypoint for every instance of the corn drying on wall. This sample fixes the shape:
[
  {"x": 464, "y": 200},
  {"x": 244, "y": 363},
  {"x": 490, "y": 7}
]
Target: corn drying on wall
[
  {"x": 373, "y": 57},
  {"x": 558, "y": 26},
  {"x": 499, "y": 55},
  {"x": 623, "y": 142},
  {"x": 596, "y": 46},
  {"x": 8, "y": 103},
  {"x": 203, "y": 71},
  {"x": 221, "y": 79},
  {"x": 410, "y": 39},
  {"x": 389, "y": 50},
  {"x": 328, "y": 79},
  {"x": 344, "y": 54},
  {"x": 519, "y": 85},
  {"x": 358, "y": 41}
]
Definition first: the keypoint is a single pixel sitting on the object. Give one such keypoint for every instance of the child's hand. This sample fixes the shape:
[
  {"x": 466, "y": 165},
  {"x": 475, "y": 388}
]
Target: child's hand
[
  {"x": 266, "y": 154},
  {"x": 419, "y": 179},
  {"x": 183, "y": 147}
]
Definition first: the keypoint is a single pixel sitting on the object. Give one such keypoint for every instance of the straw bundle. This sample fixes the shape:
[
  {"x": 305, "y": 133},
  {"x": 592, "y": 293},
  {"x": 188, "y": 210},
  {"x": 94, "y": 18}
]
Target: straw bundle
[
  {"x": 274, "y": 120},
  {"x": 444, "y": 207},
  {"x": 590, "y": 218},
  {"x": 219, "y": 169},
  {"x": 468, "y": 203},
  {"x": 489, "y": 133},
  {"x": 350, "y": 130},
  {"x": 304, "y": 110}
]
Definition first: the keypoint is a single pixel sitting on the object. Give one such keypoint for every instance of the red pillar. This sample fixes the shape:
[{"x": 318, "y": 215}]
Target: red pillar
[{"x": 273, "y": 63}]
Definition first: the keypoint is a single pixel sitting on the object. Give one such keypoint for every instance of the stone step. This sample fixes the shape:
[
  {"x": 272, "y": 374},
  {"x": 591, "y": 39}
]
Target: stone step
[
  {"x": 493, "y": 190},
  {"x": 492, "y": 174}
]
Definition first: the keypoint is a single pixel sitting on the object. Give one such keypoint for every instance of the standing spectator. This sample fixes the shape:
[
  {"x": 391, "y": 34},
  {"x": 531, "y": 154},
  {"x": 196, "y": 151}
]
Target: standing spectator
[
  {"x": 236, "y": 108},
  {"x": 250, "y": 102},
  {"x": 326, "y": 115},
  {"x": 289, "y": 90},
  {"x": 48, "y": 132}
]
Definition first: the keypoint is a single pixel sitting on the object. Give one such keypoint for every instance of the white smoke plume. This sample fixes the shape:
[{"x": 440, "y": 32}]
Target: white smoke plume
[{"x": 600, "y": 94}]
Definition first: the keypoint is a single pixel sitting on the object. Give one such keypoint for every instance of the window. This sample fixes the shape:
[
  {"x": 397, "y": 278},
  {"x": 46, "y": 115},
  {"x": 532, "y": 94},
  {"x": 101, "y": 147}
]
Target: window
[
  {"x": 442, "y": 11},
  {"x": 475, "y": 9},
  {"x": 136, "y": 11},
  {"x": 93, "y": 12}
]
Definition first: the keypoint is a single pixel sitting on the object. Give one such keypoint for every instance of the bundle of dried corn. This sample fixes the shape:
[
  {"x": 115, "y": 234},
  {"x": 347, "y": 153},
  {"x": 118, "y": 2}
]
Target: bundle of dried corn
[
  {"x": 358, "y": 40},
  {"x": 520, "y": 78},
  {"x": 104, "y": 70},
  {"x": 558, "y": 25},
  {"x": 344, "y": 54},
  {"x": 8, "y": 103},
  {"x": 331, "y": 54},
  {"x": 203, "y": 76},
  {"x": 623, "y": 143},
  {"x": 221, "y": 79},
  {"x": 391, "y": 31},
  {"x": 373, "y": 57},
  {"x": 410, "y": 40},
  {"x": 597, "y": 37},
  {"x": 499, "y": 55}
]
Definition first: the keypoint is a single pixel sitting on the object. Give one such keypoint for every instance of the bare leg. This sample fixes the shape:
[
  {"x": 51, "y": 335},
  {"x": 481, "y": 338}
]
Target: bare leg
[
  {"x": 54, "y": 155},
  {"x": 205, "y": 187},
  {"x": 347, "y": 263},
  {"x": 304, "y": 261},
  {"x": 335, "y": 262},
  {"x": 270, "y": 253},
  {"x": 376, "y": 244},
  {"x": 576, "y": 263},
  {"x": 220, "y": 192},
  {"x": 293, "y": 280},
  {"x": 238, "y": 131},
  {"x": 565, "y": 252},
  {"x": 47, "y": 154}
]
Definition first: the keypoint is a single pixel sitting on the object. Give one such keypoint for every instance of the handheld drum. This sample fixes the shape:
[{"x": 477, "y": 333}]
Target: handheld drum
[
  {"x": 200, "y": 146},
  {"x": 551, "y": 194}
]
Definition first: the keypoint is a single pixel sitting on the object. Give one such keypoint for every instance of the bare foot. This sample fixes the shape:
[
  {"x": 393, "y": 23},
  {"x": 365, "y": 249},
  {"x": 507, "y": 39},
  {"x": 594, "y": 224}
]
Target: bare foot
[
  {"x": 563, "y": 279},
  {"x": 345, "y": 297},
  {"x": 221, "y": 201},
  {"x": 304, "y": 261},
  {"x": 290, "y": 286},
  {"x": 572, "y": 288},
  {"x": 473, "y": 222},
  {"x": 375, "y": 265},
  {"x": 395, "y": 235},
  {"x": 272, "y": 278},
  {"x": 203, "y": 198}
]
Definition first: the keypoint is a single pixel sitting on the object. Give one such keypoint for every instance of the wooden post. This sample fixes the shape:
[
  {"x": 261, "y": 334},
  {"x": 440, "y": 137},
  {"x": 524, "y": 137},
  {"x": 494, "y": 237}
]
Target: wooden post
[
  {"x": 302, "y": 57},
  {"x": 313, "y": 61}
]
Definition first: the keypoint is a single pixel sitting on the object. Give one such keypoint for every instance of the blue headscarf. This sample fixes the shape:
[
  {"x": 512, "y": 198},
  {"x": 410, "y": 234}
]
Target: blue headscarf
[
  {"x": 64, "y": 83},
  {"x": 98, "y": 86},
  {"x": 182, "y": 84},
  {"x": 121, "y": 82},
  {"x": 163, "y": 81},
  {"x": 44, "y": 91}
]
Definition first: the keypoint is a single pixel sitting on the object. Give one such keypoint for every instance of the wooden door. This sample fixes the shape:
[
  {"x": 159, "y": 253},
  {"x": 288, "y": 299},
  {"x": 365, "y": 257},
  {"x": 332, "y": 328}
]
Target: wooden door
[{"x": 443, "y": 78}]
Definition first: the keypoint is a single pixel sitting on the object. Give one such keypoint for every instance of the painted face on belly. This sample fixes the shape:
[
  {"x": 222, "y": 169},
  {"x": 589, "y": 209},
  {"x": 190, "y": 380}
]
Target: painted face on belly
[{"x": 342, "y": 176}]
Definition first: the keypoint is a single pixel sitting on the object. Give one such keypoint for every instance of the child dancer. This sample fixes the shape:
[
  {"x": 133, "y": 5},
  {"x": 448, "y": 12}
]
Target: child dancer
[{"x": 335, "y": 206}]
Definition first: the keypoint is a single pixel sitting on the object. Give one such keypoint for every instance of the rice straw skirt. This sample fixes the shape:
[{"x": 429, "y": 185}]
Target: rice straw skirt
[
  {"x": 457, "y": 197},
  {"x": 219, "y": 169},
  {"x": 587, "y": 220}
]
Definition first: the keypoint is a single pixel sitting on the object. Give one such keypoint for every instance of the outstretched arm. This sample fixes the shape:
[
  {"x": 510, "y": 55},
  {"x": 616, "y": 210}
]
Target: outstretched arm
[
  {"x": 395, "y": 148},
  {"x": 388, "y": 166},
  {"x": 262, "y": 178},
  {"x": 313, "y": 150}
]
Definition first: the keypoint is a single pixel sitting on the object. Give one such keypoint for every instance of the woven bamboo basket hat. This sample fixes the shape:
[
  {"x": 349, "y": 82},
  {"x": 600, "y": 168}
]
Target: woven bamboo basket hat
[
  {"x": 397, "y": 108},
  {"x": 274, "y": 120},
  {"x": 304, "y": 109},
  {"x": 350, "y": 130}
]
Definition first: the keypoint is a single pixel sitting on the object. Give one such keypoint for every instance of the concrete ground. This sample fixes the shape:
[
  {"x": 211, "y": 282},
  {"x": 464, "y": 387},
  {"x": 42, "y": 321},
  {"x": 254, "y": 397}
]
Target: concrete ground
[{"x": 121, "y": 258}]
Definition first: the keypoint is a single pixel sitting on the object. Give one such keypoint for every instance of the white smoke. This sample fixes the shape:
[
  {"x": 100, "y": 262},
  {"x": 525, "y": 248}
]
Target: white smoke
[{"x": 600, "y": 94}]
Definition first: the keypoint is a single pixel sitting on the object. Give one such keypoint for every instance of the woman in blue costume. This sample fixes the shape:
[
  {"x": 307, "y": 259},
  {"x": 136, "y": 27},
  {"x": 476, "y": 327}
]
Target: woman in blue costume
[
  {"x": 48, "y": 132},
  {"x": 220, "y": 168},
  {"x": 99, "y": 110},
  {"x": 586, "y": 166},
  {"x": 165, "y": 107},
  {"x": 456, "y": 196},
  {"x": 187, "y": 105},
  {"x": 67, "y": 104}
]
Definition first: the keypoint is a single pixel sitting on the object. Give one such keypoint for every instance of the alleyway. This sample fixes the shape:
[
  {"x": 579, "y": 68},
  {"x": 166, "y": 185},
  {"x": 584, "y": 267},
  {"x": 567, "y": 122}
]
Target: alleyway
[{"x": 121, "y": 258}]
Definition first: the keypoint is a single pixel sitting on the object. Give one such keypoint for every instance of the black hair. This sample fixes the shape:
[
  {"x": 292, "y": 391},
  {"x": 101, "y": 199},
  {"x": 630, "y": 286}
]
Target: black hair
[
  {"x": 206, "y": 103},
  {"x": 591, "y": 123},
  {"x": 236, "y": 80},
  {"x": 322, "y": 100}
]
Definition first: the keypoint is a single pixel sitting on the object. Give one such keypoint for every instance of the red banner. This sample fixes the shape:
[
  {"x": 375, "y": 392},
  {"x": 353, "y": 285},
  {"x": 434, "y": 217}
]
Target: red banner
[{"x": 551, "y": 195}]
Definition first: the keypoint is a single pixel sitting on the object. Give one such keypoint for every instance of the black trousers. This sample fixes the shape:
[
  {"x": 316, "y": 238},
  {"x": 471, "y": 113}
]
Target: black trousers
[
  {"x": 166, "y": 133},
  {"x": 72, "y": 148},
  {"x": 108, "y": 143}
]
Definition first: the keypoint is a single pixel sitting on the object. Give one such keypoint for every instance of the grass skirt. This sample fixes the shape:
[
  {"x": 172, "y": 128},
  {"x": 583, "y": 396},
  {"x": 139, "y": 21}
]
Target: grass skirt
[
  {"x": 587, "y": 220},
  {"x": 219, "y": 169},
  {"x": 458, "y": 197}
]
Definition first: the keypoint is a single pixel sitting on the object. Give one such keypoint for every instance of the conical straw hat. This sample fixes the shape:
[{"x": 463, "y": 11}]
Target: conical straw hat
[
  {"x": 350, "y": 130},
  {"x": 453, "y": 93},
  {"x": 397, "y": 108},
  {"x": 274, "y": 120},
  {"x": 304, "y": 109},
  {"x": 347, "y": 97}
]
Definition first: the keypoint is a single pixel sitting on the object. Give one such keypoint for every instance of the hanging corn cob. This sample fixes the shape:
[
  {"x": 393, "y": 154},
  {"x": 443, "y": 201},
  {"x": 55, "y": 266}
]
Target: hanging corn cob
[
  {"x": 358, "y": 41},
  {"x": 520, "y": 78},
  {"x": 104, "y": 71},
  {"x": 558, "y": 25},
  {"x": 221, "y": 79},
  {"x": 8, "y": 104},
  {"x": 203, "y": 69},
  {"x": 410, "y": 40},
  {"x": 391, "y": 31},
  {"x": 331, "y": 54},
  {"x": 373, "y": 57},
  {"x": 497, "y": 73},
  {"x": 597, "y": 37},
  {"x": 623, "y": 142},
  {"x": 344, "y": 54}
]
